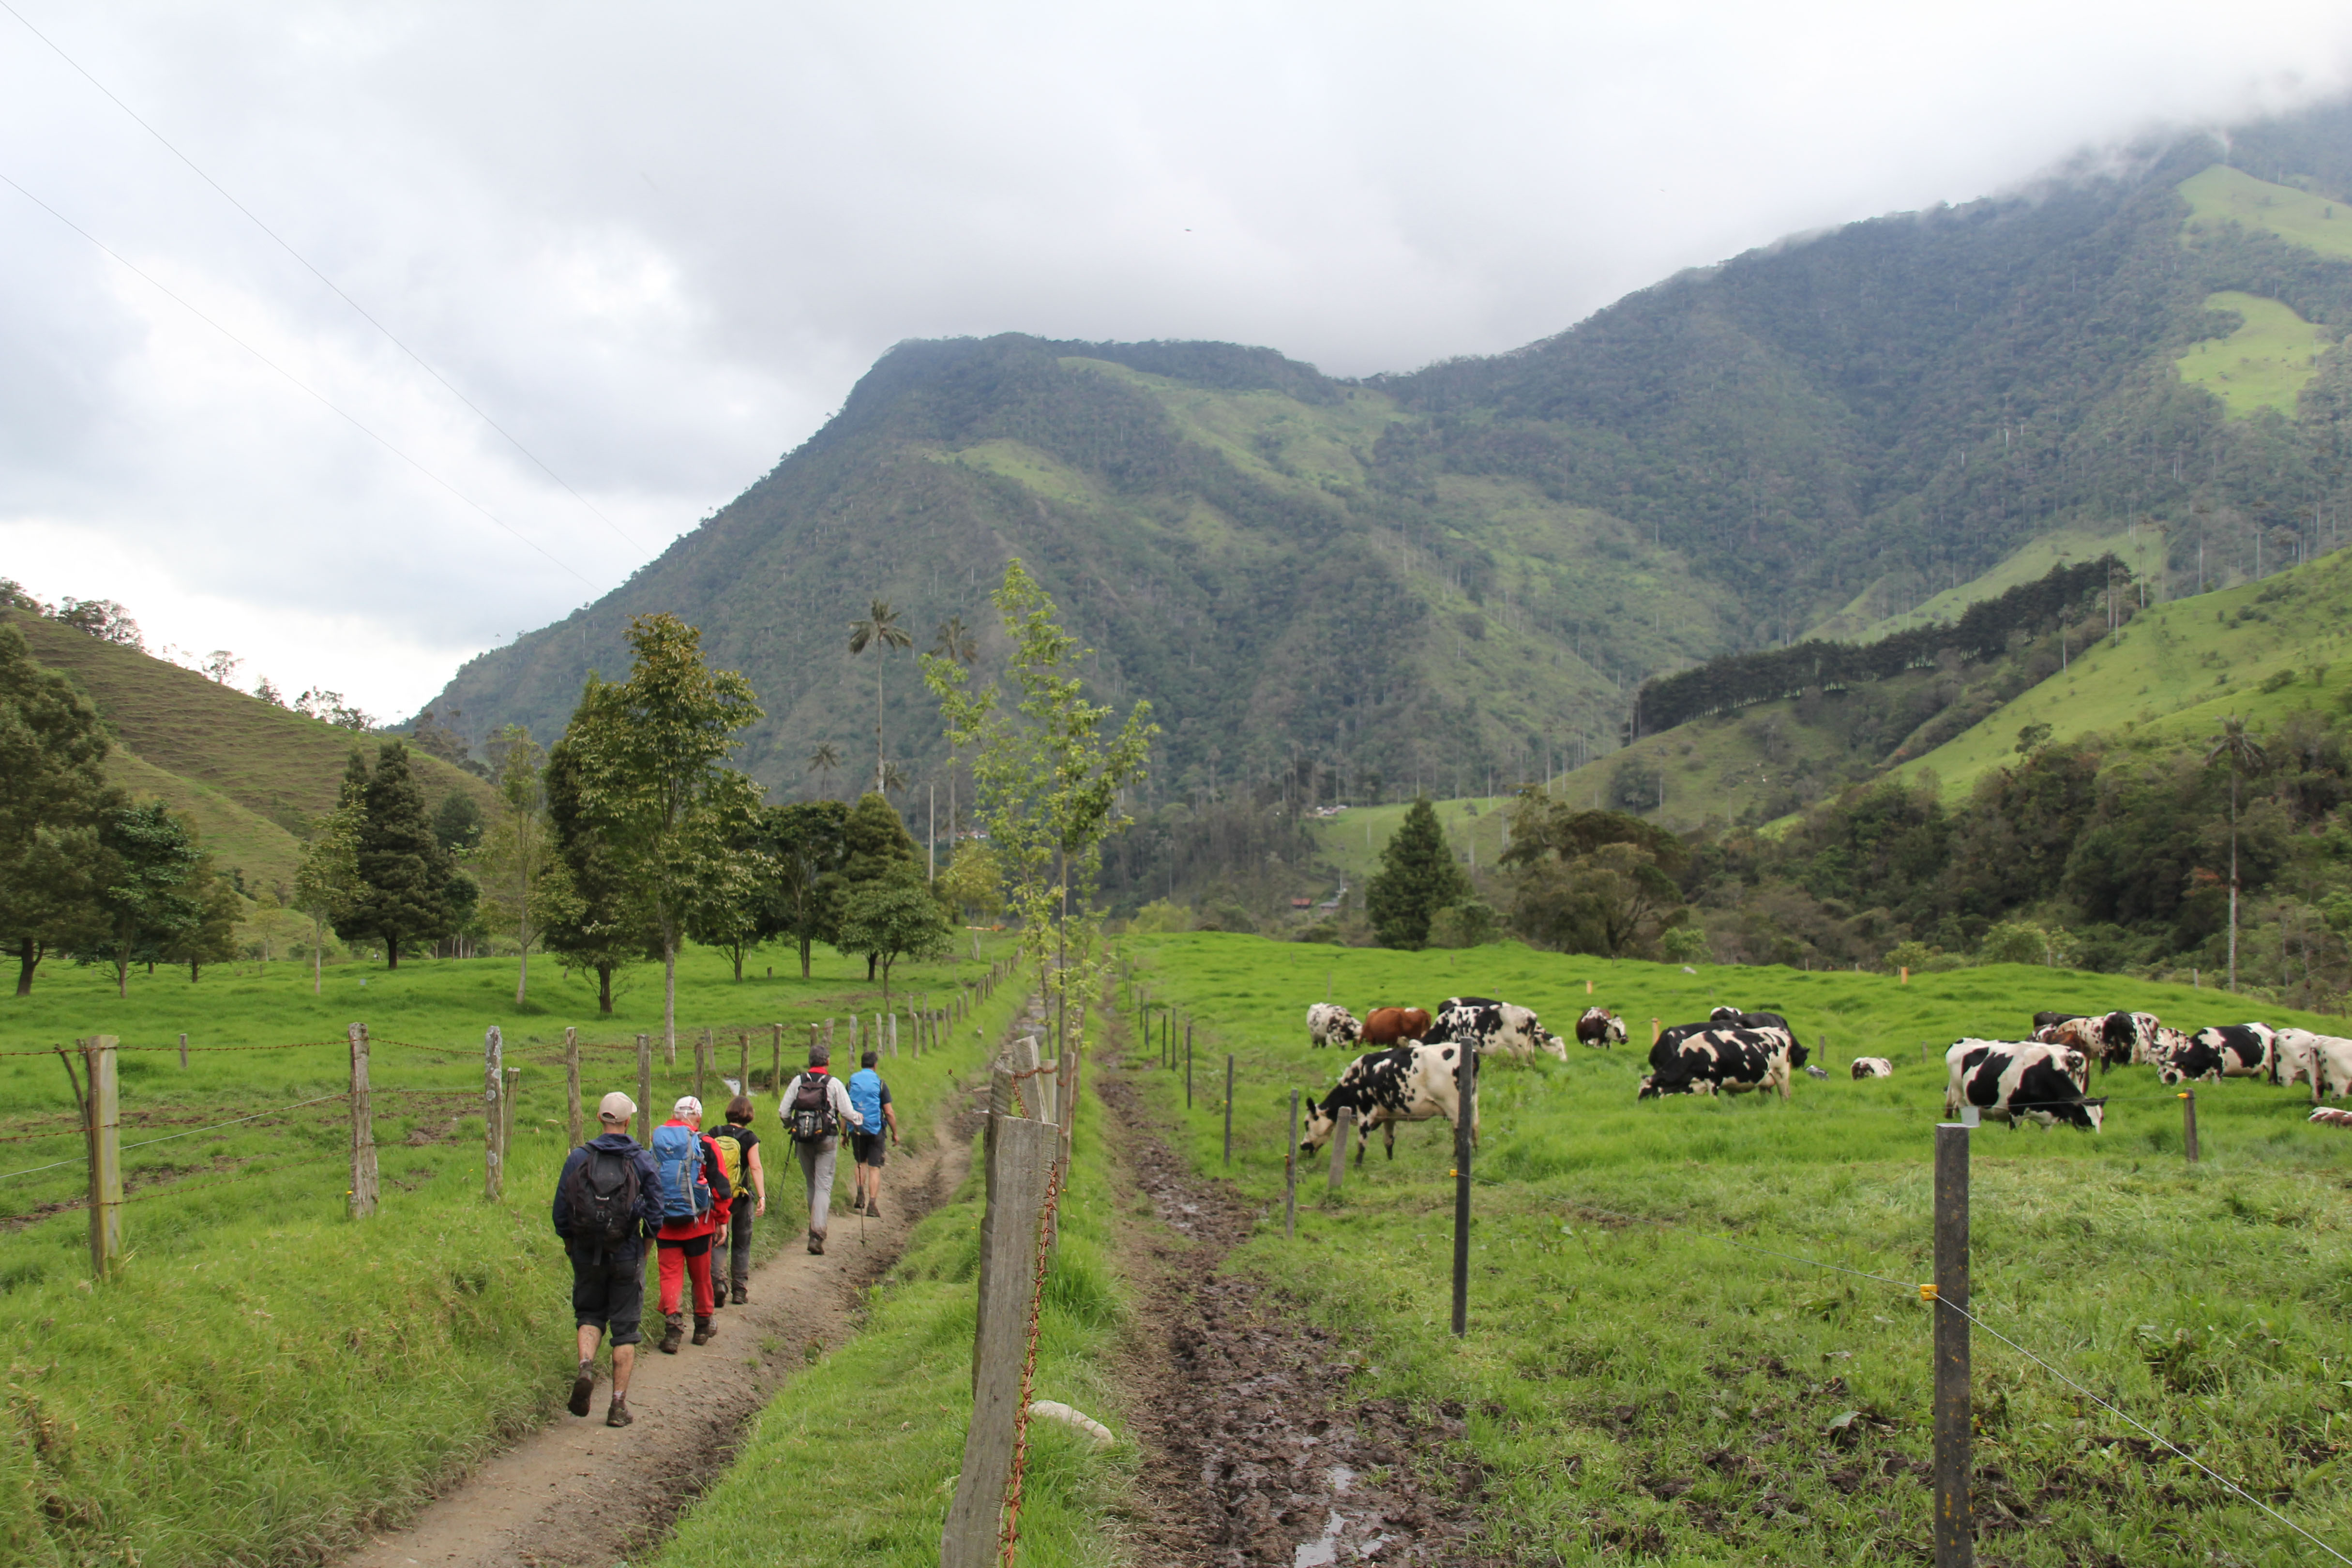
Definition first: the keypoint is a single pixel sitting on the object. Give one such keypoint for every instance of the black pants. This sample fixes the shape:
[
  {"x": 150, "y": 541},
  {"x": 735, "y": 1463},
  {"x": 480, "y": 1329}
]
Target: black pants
[
  {"x": 738, "y": 1244},
  {"x": 608, "y": 1291}
]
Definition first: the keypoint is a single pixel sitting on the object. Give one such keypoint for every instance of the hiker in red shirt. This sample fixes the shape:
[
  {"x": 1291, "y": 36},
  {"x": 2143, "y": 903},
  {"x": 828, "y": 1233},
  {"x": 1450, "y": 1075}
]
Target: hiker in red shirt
[{"x": 694, "y": 1197}]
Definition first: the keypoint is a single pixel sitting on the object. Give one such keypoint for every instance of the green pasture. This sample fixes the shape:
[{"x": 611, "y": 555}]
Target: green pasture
[
  {"x": 2222, "y": 194},
  {"x": 2265, "y": 362},
  {"x": 1640, "y": 1385},
  {"x": 856, "y": 1462},
  {"x": 267, "y": 1379},
  {"x": 2139, "y": 549}
]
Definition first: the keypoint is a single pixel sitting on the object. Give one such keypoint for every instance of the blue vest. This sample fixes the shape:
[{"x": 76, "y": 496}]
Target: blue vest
[{"x": 866, "y": 1093}]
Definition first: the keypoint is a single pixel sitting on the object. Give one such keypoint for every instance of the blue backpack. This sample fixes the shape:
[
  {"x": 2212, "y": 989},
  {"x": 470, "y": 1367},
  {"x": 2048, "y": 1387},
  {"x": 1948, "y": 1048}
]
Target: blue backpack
[{"x": 678, "y": 1151}]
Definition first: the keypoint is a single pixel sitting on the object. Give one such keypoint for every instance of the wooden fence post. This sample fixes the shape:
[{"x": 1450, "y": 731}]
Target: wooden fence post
[
  {"x": 363, "y": 1169},
  {"x": 1466, "y": 1119},
  {"x": 1954, "y": 1529},
  {"x": 701, "y": 1061},
  {"x": 776, "y": 1062},
  {"x": 513, "y": 1092},
  {"x": 743, "y": 1062},
  {"x": 184, "y": 1050},
  {"x": 104, "y": 1120},
  {"x": 494, "y": 1083},
  {"x": 1020, "y": 1165},
  {"x": 645, "y": 1093},
  {"x": 1339, "y": 1146},
  {"x": 1188, "y": 1067},
  {"x": 572, "y": 1086},
  {"x": 1229, "y": 1110},
  {"x": 2189, "y": 1124},
  {"x": 1290, "y": 1174}
]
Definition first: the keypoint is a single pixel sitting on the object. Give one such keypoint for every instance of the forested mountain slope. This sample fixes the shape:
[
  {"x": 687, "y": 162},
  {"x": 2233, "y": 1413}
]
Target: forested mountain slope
[{"x": 1419, "y": 579}]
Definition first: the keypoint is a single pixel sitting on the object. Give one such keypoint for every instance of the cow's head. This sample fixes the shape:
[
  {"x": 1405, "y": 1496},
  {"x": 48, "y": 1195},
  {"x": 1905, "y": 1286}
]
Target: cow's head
[
  {"x": 1320, "y": 1125},
  {"x": 2172, "y": 1070},
  {"x": 2087, "y": 1114},
  {"x": 1649, "y": 1089},
  {"x": 1616, "y": 1029},
  {"x": 1797, "y": 1052},
  {"x": 1724, "y": 1015}
]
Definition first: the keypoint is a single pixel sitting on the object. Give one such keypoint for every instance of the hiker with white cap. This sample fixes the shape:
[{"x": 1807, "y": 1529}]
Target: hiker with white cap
[
  {"x": 693, "y": 1187},
  {"x": 814, "y": 1107},
  {"x": 607, "y": 1201}
]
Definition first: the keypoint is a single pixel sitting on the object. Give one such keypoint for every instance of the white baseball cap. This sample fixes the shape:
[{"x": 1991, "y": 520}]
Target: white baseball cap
[{"x": 686, "y": 1106}]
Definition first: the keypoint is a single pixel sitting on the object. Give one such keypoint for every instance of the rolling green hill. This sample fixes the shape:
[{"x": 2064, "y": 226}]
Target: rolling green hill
[{"x": 250, "y": 774}]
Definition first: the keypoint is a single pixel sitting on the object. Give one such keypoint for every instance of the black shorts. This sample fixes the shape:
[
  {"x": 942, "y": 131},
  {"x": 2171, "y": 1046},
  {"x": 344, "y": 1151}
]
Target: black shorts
[
  {"x": 869, "y": 1148},
  {"x": 608, "y": 1291}
]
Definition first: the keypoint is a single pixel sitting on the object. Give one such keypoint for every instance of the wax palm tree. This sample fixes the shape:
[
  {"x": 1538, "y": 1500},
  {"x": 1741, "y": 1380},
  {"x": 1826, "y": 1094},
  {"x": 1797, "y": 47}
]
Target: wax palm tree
[
  {"x": 954, "y": 640},
  {"x": 2237, "y": 748},
  {"x": 894, "y": 779},
  {"x": 821, "y": 763},
  {"x": 881, "y": 632}
]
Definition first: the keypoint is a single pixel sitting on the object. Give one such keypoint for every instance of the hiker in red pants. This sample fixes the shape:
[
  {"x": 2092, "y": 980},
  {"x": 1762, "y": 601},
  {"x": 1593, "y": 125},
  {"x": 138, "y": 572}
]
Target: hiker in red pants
[{"x": 694, "y": 1186}]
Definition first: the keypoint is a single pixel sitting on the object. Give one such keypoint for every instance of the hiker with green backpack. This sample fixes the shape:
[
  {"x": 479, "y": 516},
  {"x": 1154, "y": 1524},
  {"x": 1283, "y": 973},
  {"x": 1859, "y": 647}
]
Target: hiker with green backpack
[
  {"x": 607, "y": 1202},
  {"x": 814, "y": 1108},
  {"x": 739, "y": 1155}
]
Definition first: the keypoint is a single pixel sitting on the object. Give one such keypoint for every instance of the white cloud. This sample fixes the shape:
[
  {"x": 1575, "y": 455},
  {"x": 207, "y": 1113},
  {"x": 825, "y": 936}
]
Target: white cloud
[{"x": 657, "y": 245}]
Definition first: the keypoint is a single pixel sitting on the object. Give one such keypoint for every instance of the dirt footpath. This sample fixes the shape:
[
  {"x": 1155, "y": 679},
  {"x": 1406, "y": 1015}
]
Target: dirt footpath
[
  {"x": 1254, "y": 1456},
  {"x": 580, "y": 1492}
]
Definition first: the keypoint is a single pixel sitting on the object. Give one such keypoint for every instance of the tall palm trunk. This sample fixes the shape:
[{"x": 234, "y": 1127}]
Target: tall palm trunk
[
  {"x": 878, "y": 662},
  {"x": 2233, "y": 876}
]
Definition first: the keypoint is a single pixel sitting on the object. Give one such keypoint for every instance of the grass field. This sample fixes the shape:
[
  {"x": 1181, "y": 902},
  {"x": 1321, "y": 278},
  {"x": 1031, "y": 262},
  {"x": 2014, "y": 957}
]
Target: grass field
[
  {"x": 266, "y": 1379},
  {"x": 856, "y": 1462},
  {"x": 1648, "y": 1389},
  {"x": 2265, "y": 362},
  {"x": 2222, "y": 195},
  {"x": 2141, "y": 549}
]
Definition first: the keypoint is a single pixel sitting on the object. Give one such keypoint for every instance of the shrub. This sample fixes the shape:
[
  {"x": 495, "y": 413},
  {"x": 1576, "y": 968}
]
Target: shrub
[{"x": 1473, "y": 923}]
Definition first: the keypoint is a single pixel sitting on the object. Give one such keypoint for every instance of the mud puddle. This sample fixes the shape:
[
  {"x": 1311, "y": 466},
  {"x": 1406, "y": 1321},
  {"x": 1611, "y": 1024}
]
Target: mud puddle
[{"x": 1255, "y": 1454}]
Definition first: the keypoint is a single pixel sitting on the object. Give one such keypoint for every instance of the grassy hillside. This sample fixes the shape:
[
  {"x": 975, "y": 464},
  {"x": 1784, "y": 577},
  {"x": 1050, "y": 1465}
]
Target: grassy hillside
[
  {"x": 1639, "y": 1381},
  {"x": 1868, "y": 617},
  {"x": 2310, "y": 219},
  {"x": 252, "y": 774},
  {"x": 2264, "y": 362}
]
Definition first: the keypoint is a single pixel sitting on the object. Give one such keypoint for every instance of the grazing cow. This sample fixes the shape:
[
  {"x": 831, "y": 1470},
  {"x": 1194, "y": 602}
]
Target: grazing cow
[
  {"x": 2323, "y": 1061},
  {"x": 1409, "y": 1082},
  {"x": 2014, "y": 1081},
  {"x": 1329, "y": 1023},
  {"x": 1737, "y": 1020},
  {"x": 1873, "y": 1067},
  {"x": 1395, "y": 1025},
  {"x": 1601, "y": 1027},
  {"x": 2111, "y": 1039},
  {"x": 2225, "y": 1050},
  {"x": 1500, "y": 1028},
  {"x": 1720, "y": 1059}
]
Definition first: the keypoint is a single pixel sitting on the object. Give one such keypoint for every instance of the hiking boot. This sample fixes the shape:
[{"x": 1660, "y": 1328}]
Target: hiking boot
[
  {"x": 704, "y": 1331},
  {"x": 816, "y": 1245},
  {"x": 583, "y": 1387},
  {"x": 619, "y": 1415},
  {"x": 718, "y": 1291},
  {"x": 675, "y": 1335},
  {"x": 873, "y": 1209},
  {"x": 740, "y": 1293}
]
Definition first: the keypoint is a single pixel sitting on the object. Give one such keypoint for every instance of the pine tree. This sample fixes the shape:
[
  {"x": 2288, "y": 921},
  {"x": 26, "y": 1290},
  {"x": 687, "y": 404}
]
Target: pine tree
[
  {"x": 403, "y": 895},
  {"x": 1417, "y": 878},
  {"x": 53, "y": 756},
  {"x": 878, "y": 848}
]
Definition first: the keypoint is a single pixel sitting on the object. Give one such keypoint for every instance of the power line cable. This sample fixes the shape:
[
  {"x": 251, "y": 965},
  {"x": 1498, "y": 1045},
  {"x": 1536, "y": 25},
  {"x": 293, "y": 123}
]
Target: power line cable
[
  {"x": 332, "y": 286},
  {"x": 297, "y": 381}
]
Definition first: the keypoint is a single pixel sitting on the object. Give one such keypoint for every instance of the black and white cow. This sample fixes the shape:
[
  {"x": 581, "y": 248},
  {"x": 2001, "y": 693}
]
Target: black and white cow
[
  {"x": 1601, "y": 1027},
  {"x": 1329, "y": 1023},
  {"x": 1873, "y": 1067},
  {"x": 2323, "y": 1061},
  {"x": 1721, "y": 1060},
  {"x": 2014, "y": 1081},
  {"x": 1737, "y": 1020},
  {"x": 2225, "y": 1050},
  {"x": 1500, "y": 1028},
  {"x": 1413, "y": 1081}
]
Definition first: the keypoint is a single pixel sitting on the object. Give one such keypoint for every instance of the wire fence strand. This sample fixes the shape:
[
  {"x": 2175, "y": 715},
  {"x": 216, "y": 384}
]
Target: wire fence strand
[{"x": 166, "y": 1138}]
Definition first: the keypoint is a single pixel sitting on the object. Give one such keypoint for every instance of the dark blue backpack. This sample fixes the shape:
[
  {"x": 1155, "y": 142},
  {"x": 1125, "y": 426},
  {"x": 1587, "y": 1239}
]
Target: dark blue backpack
[{"x": 678, "y": 1151}]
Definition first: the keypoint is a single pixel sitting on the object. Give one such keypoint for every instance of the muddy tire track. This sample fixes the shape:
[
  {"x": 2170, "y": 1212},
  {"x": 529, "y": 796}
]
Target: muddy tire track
[{"x": 1255, "y": 1454}]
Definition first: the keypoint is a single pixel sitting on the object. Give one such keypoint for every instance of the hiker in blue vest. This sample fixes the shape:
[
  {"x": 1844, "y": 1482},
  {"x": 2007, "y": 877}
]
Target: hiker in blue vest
[
  {"x": 607, "y": 1201},
  {"x": 867, "y": 1145}
]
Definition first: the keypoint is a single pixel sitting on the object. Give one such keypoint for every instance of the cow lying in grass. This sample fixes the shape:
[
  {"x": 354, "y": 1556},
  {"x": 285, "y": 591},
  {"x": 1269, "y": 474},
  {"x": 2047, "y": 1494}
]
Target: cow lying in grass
[
  {"x": 1873, "y": 1067},
  {"x": 1410, "y": 1082},
  {"x": 2009, "y": 1080},
  {"x": 1497, "y": 1028},
  {"x": 2225, "y": 1050},
  {"x": 1711, "y": 1058},
  {"x": 1329, "y": 1023}
]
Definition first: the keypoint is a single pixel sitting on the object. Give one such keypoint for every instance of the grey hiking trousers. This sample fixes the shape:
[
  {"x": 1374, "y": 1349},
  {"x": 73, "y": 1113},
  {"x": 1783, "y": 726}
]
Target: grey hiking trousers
[{"x": 817, "y": 1164}]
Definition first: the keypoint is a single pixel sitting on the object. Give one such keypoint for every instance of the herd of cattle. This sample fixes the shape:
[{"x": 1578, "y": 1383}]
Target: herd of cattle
[{"x": 2044, "y": 1079}]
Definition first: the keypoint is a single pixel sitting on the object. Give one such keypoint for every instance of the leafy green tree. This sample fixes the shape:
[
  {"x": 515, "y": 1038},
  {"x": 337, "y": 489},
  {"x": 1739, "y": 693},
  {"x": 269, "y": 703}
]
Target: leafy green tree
[
  {"x": 875, "y": 847},
  {"x": 403, "y": 872},
  {"x": 1417, "y": 878},
  {"x": 148, "y": 860},
  {"x": 458, "y": 822},
  {"x": 806, "y": 844},
  {"x": 892, "y": 917},
  {"x": 327, "y": 883},
  {"x": 53, "y": 758},
  {"x": 211, "y": 937},
  {"x": 652, "y": 783},
  {"x": 593, "y": 915},
  {"x": 518, "y": 856},
  {"x": 881, "y": 632},
  {"x": 733, "y": 913},
  {"x": 1593, "y": 881},
  {"x": 971, "y": 882},
  {"x": 1471, "y": 923},
  {"x": 2238, "y": 749}
]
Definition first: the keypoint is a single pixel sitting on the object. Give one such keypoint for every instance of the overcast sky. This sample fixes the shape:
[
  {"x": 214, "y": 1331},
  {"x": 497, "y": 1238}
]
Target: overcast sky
[{"x": 656, "y": 244}]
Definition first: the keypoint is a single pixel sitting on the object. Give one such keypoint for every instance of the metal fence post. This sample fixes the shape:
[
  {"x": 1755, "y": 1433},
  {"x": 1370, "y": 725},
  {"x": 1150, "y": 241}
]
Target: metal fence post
[
  {"x": 2189, "y": 1123},
  {"x": 572, "y": 1086},
  {"x": 1465, "y": 1118},
  {"x": 363, "y": 1167},
  {"x": 494, "y": 1083},
  {"x": 1955, "y": 1529}
]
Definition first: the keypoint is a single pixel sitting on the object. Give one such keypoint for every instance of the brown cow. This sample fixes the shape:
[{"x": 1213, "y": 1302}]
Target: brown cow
[{"x": 1390, "y": 1026}]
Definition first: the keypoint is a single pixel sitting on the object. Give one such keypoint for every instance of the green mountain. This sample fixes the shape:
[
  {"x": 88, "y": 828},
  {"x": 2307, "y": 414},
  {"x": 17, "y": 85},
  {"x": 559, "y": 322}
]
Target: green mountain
[{"x": 1427, "y": 579}]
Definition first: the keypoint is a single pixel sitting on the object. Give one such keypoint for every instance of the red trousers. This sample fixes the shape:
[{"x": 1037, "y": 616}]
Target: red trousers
[{"x": 692, "y": 1260}]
